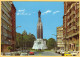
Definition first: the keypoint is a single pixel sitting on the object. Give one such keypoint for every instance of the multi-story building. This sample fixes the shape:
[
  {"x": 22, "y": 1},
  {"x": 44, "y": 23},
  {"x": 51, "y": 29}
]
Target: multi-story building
[
  {"x": 7, "y": 25},
  {"x": 71, "y": 25},
  {"x": 60, "y": 44}
]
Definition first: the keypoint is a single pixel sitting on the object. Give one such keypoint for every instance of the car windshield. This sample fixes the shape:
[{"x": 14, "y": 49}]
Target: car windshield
[
  {"x": 67, "y": 53},
  {"x": 24, "y": 54},
  {"x": 74, "y": 52}
]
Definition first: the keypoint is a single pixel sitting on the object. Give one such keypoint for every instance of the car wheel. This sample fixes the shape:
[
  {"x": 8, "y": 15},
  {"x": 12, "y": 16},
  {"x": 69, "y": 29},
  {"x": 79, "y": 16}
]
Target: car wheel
[
  {"x": 62, "y": 54},
  {"x": 73, "y": 55}
]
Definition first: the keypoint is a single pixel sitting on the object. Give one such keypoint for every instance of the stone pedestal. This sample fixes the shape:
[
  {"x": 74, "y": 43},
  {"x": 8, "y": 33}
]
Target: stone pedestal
[{"x": 39, "y": 44}]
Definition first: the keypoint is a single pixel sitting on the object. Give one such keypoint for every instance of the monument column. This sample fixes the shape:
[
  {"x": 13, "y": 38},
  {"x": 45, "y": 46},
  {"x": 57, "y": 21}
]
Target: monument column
[{"x": 39, "y": 27}]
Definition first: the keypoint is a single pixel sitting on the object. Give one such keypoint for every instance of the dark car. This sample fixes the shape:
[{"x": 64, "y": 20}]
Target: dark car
[
  {"x": 17, "y": 54},
  {"x": 28, "y": 51}
]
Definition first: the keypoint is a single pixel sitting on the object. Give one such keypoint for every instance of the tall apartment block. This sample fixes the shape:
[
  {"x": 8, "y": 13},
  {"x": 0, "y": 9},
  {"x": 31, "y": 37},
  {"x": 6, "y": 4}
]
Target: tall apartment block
[
  {"x": 60, "y": 44},
  {"x": 71, "y": 26},
  {"x": 8, "y": 26}
]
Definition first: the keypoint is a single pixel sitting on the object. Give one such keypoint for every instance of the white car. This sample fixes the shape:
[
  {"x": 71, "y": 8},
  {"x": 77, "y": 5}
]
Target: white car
[
  {"x": 61, "y": 51},
  {"x": 58, "y": 51},
  {"x": 7, "y": 54},
  {"x": 23, "y": 54},
  {"x": 13, "y": 53},
  {"x": 77, "y": 53},
  {"x": 74, "y": 53}
]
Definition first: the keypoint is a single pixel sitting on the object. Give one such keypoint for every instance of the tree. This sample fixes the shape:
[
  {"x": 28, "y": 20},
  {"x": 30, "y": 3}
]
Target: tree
[
  {"x": 29, "y": 39},
  {"x": 51, "y": 43},
  {"x": 18, "y": 40},
  {"x": 24, "y": 40},
  {"x": 9, "y": 48},
  {"x": 24, "y": 32},
  {"x": 45, "y": 40}
]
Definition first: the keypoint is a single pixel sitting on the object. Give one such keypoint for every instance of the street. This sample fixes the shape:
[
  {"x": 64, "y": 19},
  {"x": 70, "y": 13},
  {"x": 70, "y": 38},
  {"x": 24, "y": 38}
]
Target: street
[{"x": 45, "y": 53}]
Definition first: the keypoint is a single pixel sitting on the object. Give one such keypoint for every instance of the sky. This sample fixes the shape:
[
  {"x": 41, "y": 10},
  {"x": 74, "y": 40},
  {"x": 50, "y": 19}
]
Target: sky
[{"x": 27, "y": 17}]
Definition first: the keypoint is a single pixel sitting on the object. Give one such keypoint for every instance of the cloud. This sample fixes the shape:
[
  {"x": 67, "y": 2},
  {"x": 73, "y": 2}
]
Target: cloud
[
  {"x": 48, "y": 11},
  {"x": 56, "y": 12},
  {"x": 22, "y": 12}
]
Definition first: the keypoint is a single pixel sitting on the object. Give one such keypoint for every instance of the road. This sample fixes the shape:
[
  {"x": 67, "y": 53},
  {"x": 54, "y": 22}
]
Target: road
[{"x": 45, "y": 53}]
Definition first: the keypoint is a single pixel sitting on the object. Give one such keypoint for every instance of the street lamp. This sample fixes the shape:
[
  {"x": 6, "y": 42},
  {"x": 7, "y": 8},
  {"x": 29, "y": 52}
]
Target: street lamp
[
  {"x": 55, "y": 35},
  {"x": 18, "y": 26},
  {"x": 15, "y": 34},
  {"x": 56, "y": 39}
]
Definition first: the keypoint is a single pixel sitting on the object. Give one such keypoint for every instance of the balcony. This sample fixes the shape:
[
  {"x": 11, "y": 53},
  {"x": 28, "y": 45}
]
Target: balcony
[
  {"x": 73, "y": 12},
  {"x": 77, "y": 7},
  {"x": 5, "y": 34},
  {"x": 6, "y": 20},
  {"x": 9, "y": 3},
  {"x": 77, "y": 15},
  {"x": 9, "y": 29},
  {"x": 5, "y": 12},
  {"x": 78, "y": 23},
  {"x": 70, "y": 22},
  {"x": 9, "y": 36},
  {"x": 5, "y": 26},
  {"x": 73, "y": 34},
  {"x": 6, "y": 6},
  {"x": 7, "y": 42},
  {"x": 73, "y": 27}
]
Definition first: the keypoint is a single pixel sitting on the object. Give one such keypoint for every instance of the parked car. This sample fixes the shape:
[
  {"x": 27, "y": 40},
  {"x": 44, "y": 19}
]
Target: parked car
[
  {"x": 67, "y": 54},
  {"x": 17, "y": 54},
  {"x": 58, "y": 51},
  {"x": 31, "y": 53},
  {"x": 77, "y": 53},
  {"x": 7, "y": 54},
  {"x": 74, "y": 53},
  {"x": 28, "y": 51},
  {"x": 62, "y": 52},
  {"x": 24, "y": 54}
]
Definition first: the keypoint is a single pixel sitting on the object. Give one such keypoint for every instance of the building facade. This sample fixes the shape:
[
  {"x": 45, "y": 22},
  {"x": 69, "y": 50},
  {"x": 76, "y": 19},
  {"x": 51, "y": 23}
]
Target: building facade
[
  {"x": 71, "y": 26},
  {"x": 7, "y": 25},
  {"x": 60, "y": 44}
]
